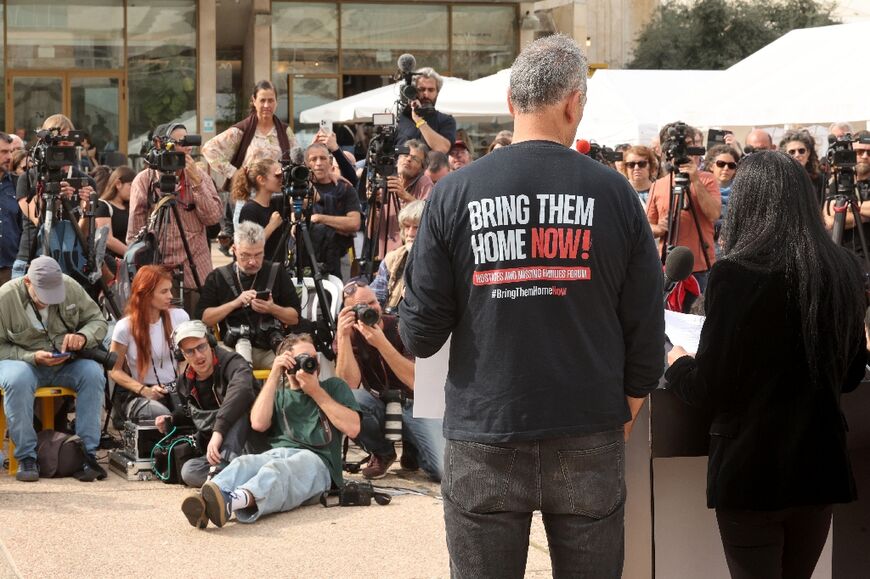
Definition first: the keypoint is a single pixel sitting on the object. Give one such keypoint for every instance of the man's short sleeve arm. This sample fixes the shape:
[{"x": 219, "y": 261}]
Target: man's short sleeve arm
[
  {"x": 448, "y": 128},
  {"x": 427, "y": 315}
]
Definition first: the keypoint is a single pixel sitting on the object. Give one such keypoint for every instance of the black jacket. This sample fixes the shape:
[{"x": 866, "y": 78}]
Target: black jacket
[
  {"x": 234, "y": 385},
  {"x": 775, "y": 440}
]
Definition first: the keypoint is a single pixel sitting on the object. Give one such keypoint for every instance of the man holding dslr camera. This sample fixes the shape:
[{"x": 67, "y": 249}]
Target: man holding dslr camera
[
  {"x": 378, "y": 367},
  {"x": 304, "y": 418},
  {"x": 421, "y": 121},
  {"x": 252, "y": 299},
  {"x": 49, "y": 322},
  {"x": 851, "y": 238}
]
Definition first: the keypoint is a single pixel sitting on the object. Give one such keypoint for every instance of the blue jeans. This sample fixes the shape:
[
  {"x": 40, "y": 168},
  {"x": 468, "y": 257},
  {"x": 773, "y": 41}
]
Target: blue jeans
[
  {"x": 19, "y": 381},
  {"x": 427, "y": 434},
  {"x": 280, "y": 480},
  {"x": 19, "y": 268},
  {"x": 491, "y": 490}
]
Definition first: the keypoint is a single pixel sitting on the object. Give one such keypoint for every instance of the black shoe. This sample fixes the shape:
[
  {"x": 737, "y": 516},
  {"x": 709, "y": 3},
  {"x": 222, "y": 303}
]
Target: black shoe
[
  {"x": 28, "y": 470},
  {"x": 91, "y": 470},
  {"x": 193, "y": 508},
  {"x": 218, "y": 505},
  {"x": 409, "y": 459}
]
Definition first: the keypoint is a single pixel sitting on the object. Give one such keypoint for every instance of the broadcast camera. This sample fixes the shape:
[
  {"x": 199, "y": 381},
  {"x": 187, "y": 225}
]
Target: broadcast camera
[
  {"x": 843, "y": 160},
  {"x": 166, "y": 159},
  {"x": 604, "y": 155},
  {"x": 676, "y": 146},
  {"x": 51, "y": 153}
]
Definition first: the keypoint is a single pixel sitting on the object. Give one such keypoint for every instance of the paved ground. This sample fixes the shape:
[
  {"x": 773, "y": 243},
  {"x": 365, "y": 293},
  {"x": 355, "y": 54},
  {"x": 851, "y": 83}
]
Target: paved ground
[{"x": 115, "y": 528}]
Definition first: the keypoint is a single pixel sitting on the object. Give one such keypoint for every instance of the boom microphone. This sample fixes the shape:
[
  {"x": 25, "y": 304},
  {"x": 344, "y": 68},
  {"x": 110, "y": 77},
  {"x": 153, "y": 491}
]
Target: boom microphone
[
  {"x": 678, "y": 266},
  {"x": 297, "y": 156},
  {"x": 583, "y": 146},
  {"x": 407, "y": 63}
]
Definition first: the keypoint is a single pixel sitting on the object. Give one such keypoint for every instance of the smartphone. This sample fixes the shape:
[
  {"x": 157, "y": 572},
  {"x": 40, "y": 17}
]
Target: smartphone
[
  {"x": 263, "y": 295},
  {"x": 716, "y": 137},
  {"x": 325, "y": 127},
  {"x": 60, "y": 354}
]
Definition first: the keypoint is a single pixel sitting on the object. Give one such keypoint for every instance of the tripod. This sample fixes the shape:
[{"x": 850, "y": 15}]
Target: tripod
[
  {"x": 167, "y": 205},
  {"x": 384, "y": 202},
  {"x": 842, "y": 193},
  {"x": 681, "y": 200},
  {"x": 59, "y": 208}
]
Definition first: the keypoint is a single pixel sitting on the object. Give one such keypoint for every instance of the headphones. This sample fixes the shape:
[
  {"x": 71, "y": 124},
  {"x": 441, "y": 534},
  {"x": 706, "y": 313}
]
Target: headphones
[{"x": 192, "y": 328}]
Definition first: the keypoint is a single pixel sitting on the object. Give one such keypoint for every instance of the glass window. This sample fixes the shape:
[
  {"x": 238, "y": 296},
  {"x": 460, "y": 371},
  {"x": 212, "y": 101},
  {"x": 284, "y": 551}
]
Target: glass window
[
  {"x": 161, "y": 66},
  {"x": 373, "y": 36},
  {"x": 305, "y": 37},
  {"x": 84, "y": 34},
  {"x": 307, "y": 93},
  {"x": 484, "y": 40},
  {"x": 232, "y": 105}
]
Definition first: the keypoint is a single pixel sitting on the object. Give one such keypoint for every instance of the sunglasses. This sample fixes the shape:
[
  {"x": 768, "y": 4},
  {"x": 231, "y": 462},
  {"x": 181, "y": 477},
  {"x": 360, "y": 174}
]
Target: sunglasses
[
  {"x": 723, "y": 164},
  {"x": 350, "y": 287},
  {"x": 196, "y": 349},
  {"x": 638, "y": 164},
  {"x": 862, "y": 152},
  {"x": 798, "y": 151}
]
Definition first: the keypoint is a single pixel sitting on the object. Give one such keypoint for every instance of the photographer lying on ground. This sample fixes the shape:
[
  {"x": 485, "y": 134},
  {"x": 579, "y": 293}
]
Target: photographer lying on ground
[
  {"x": 377, "y": 366},
  {"x": 305, "y": 419},
  {"x": 48, "y": 322},
  {"x": 252, "y": 299},
  {"x": 216, "y": 392}
]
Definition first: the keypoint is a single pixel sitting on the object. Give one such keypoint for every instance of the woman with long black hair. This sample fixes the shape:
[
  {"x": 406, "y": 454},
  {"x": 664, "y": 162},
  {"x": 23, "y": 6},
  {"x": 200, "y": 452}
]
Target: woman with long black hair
[{"x": 783, "y": 339}]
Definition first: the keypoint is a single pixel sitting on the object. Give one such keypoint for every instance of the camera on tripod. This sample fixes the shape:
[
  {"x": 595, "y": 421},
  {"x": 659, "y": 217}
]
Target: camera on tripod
[
  {"x": 841, "y": 155},
  {"x": 677, "y": 148},
  {"x": 51, "y": 153},
  {"x": 602, "y": 154},
  {"x": 167, "y": 160}
]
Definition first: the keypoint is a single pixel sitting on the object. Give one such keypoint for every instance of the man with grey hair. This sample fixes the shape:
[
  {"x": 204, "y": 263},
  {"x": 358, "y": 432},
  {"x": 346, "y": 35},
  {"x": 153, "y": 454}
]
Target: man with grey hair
[
  {"x": 551, "y": 286},
  {"x": 839, "y": 129},
  {"x": 421, "y": 121},
  {"x": 252, "y": 300}
]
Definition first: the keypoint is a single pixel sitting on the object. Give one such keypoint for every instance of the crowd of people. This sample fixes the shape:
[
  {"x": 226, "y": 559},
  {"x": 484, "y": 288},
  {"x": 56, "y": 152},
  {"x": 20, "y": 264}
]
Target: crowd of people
[{"x": 755, "y": 224}]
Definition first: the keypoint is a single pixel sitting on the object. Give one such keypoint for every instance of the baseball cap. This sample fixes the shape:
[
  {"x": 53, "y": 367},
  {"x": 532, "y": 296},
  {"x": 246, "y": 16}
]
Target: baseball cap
[
  {"x": 459, "y": 145},
  {"x": 188, "y": 329},
  {"x": 47, "y": 280}
]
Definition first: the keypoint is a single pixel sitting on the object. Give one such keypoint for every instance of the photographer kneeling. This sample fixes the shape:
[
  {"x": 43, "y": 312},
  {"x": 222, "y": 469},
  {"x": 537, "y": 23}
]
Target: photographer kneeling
[
  {"x": 371, "y": 355},
  {"x": 252, "y": 299},
  {"x": 215, "y": 392},
  {"x": 49, "y": 324},
  {"x": 305, "y": 418}
]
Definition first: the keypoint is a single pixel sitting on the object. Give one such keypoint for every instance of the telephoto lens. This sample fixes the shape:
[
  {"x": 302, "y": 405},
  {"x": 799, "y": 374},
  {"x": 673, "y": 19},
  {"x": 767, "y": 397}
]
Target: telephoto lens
[
  {"x": 392, "y": 415},
  {"x": 306, "y": 363}
]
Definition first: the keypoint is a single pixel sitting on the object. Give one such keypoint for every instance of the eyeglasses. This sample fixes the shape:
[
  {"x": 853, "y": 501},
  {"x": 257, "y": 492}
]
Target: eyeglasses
[
  {"x": 798, "y": 151},
  {"x": 862, "y": 152},
  {"x": 638, "y": 164},
  {"x": 729, "y": 164},
  {"x": 350, "y": 287},
  {"x": 195, "y": 350}
]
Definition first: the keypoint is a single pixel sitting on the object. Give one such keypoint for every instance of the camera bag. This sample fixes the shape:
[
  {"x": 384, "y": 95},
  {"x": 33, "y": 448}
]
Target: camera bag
[
  {"x": 169, "y": 456},
  {"x": 59, "y": 454}
]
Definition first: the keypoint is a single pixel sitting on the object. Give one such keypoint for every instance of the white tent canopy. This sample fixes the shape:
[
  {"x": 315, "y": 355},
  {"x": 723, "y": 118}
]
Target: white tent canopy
[{"x": 484, "y": 97}]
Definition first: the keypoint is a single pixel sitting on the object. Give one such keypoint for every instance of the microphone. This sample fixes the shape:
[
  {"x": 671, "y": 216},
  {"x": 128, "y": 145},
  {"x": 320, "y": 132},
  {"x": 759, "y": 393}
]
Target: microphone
[
  {"x": 407, "y": 63},
  {"x": 297, "y": 155},
  {"x": 583, "y": 146},
  {"x": 678, "y": 266}
]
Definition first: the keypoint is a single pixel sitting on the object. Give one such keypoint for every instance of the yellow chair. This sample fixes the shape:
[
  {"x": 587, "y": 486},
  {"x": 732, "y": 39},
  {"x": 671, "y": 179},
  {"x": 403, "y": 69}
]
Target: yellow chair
[{"x": 46, "y": 394}]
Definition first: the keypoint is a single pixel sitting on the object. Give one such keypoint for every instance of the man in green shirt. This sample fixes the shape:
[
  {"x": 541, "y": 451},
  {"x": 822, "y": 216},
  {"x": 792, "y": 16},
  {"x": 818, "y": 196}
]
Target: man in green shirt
[{"x": 305, "y": 419}]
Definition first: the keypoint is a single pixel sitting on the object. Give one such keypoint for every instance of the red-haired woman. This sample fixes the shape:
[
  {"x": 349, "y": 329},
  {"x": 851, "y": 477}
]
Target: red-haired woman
[{"x": 142, "y": 339}]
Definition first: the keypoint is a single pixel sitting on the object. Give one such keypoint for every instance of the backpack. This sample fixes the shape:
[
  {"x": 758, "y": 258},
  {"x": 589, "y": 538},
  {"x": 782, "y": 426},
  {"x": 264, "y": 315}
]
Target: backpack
[{"x": 59, "y": 454}]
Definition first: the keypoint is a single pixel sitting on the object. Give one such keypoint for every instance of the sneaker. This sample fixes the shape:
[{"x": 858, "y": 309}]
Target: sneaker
[
  {"x": 409, "y": 457},
  {"x": 28, "y": 471},
  {"x": 218, "y": 504},
  {"x": 194, "y": 509},
  {"x": 378, "y": 466}
]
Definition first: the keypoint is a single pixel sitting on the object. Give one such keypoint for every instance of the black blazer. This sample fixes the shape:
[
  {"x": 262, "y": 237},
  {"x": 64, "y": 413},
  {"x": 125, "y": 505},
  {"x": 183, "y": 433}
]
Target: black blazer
[{"x": 775, "y": 441}]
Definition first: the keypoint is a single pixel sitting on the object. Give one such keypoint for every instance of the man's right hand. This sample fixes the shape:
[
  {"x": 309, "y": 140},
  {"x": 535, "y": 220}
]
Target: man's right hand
[
  {"x": 43, "y": 358},
  {"x": 163, "y": 423},
  {"x": 346, "y": 322},
  {"x": 245, "y": 298}
]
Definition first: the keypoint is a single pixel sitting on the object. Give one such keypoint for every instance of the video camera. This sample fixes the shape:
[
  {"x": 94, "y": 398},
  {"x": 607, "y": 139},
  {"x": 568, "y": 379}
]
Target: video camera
[
  {"x": 166, "y": 159},
  {"x": 604, "y": 155},
  {"x": 50, "y": 155},
  {"x": 676, "y": 146},
  {"x": 843, "y": 160}
]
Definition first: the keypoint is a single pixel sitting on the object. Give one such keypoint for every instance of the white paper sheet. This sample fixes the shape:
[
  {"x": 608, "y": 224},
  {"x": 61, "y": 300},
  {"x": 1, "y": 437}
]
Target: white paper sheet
[
  {"x": 430, "y": 376},
  {"x": 683, "y": 330}
]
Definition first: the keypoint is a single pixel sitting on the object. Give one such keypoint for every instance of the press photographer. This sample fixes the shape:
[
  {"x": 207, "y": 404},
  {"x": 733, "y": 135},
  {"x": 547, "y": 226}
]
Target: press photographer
[
  {"x": 378, "y": 368},
  {"x": 49, "y": 324},
  {"x": 419, "y": 119},
  {"x": 64, "y": 180},
  {"x": 10, "y": 212},
  {"x": 849, "y": 160},
  {"x": 188, "y": 204},
  {"x": 216, "y": 392},
  {"x": 685, "y": 203},
  {"x": 252, "y": 300},
  {"x": 305, "y": 419}
]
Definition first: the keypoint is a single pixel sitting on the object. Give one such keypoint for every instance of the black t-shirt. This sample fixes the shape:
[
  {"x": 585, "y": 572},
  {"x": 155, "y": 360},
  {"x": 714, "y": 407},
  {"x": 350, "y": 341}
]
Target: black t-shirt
[
  {"x": 376, "y": 373},
  {"x": 28, "y": 230},
  {"x": 120, "y": 218},
  {"x": 541, "y": 264},
  {"x": 336, "y": 199},
  {"x": 253, "y": 211},
  {"x": 216, "y": 292},
  {"x": 443, "y": 124}
]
